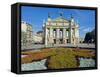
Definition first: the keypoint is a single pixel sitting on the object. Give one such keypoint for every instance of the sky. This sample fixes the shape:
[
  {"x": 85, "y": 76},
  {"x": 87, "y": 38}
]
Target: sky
[{"x": 36, "y": 15}]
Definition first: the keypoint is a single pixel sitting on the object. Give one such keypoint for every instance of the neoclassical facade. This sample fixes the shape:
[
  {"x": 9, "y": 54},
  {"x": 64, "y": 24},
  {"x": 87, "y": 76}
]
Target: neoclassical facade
[
  {"x": 61, "y": 31},
  {"x": 26, "y": 34}
]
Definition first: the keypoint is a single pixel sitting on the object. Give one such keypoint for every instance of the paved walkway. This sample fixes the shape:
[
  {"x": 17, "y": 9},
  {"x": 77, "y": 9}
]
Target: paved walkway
[{"x": 38, "y": 46}]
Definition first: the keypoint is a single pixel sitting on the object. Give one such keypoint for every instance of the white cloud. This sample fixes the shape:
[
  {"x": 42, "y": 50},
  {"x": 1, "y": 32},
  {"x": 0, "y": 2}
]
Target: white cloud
[
  {"x": 88, "y": 29},
  {"x": 81, "y": 27}
]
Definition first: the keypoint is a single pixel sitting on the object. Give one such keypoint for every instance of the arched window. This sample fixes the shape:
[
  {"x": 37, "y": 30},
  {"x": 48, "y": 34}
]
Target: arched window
[{"x": 67, "y": 32}]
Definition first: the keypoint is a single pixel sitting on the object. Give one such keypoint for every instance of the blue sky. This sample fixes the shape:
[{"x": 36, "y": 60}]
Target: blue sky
[{"x": 36, "y": 15}]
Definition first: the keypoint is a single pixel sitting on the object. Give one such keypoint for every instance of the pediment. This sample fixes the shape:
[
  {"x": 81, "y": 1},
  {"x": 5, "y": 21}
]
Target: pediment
[{"x": 60, "y": 19}]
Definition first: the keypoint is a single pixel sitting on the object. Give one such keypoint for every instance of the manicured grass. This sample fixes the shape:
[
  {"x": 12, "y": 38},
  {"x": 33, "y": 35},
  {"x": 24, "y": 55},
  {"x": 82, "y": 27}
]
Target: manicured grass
[{"x": 58, "y": 57}]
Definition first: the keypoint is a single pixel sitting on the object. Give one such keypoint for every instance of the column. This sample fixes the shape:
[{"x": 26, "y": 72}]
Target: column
[
  {"x": 51, "y": 35},
  {"x": 57, "y": 35},
  {"x": 64, "y": 35},
  {"x": 74, "y": 42},
  {"x": 54, "y": 33},
  {"x": 57, "y": 32},
  {"x": 77, "y": 34},
  {"x": 51, "y": 32},
  {"x": 70, "y": 34},
  {"x": 45, "y": 36}
]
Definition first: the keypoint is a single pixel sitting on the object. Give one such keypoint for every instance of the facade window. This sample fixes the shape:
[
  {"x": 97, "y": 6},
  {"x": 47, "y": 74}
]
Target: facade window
[
  {"x": 67, "y": 40},
  {"x": 54, "y": 41},
  {"x": 61, "y": 41},
  {"x": 67, "y": 33}
]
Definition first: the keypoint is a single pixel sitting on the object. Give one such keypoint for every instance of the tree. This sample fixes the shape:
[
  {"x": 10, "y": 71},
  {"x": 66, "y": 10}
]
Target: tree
[{"x": 90, "y": 37}]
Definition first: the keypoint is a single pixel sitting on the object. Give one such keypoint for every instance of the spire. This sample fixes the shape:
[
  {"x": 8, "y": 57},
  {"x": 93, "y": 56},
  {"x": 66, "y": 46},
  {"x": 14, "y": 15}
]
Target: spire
[
  {"x": 72, "y": 20},
  {"x": 49, "y": 15},
  {"x": 61, "y": 14},
  {"x": 72, "y": 17}
]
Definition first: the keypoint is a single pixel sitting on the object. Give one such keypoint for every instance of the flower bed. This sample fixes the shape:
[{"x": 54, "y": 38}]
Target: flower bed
[{"x": 58, "y": 57}]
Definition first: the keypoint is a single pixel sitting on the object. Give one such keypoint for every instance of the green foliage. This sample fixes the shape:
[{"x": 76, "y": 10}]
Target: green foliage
[{"x": 90, "y": 37}]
